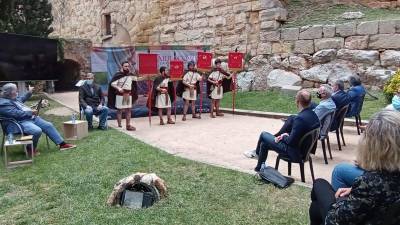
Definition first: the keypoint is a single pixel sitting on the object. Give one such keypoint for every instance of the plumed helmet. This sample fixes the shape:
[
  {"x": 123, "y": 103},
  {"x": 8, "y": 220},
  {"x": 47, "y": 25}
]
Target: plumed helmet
[
  {"x": 217, "y": 61},
  {"x": 191, "y": 63}
]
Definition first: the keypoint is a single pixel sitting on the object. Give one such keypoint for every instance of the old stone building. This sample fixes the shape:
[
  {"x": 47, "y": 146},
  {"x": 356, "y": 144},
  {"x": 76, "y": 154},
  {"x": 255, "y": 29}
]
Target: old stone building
[{"x": 280, "y": 57}]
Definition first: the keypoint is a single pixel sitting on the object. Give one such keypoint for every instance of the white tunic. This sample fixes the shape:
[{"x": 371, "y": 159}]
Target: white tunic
[
  {"x": 124, "y": 101},
  {"x": 163, "y": 100},
  {"x": 191, "y": 78},
  {"x": 217, "y": 93}
]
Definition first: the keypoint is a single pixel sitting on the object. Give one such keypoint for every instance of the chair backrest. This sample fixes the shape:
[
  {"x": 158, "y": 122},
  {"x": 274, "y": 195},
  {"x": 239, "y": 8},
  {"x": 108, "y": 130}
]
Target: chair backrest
[
  {"x": 308, "y": 143},
  {"x": 10, "y": 120},
  {"x": 339, "y": 117},
  {"x": 326, "y": 122}
]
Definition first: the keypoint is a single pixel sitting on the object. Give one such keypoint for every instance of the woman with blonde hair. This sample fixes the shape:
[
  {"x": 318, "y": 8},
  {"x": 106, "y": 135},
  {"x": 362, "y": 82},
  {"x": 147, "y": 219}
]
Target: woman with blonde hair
[{"x": 372, "y": 194}]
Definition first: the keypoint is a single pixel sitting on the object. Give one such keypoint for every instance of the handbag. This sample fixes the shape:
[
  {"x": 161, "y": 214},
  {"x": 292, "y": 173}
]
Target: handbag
[{"x": 270, "y": 175}]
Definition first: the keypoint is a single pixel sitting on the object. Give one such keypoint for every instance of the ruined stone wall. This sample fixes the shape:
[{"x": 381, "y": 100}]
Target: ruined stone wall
[
  {"x": 310, "y": 55},
  {"x": 223, "y": 24}
]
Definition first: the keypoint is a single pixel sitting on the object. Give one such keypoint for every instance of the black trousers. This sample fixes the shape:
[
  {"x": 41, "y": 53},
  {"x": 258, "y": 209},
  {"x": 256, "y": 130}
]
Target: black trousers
[{"x": 322, "y": 197}]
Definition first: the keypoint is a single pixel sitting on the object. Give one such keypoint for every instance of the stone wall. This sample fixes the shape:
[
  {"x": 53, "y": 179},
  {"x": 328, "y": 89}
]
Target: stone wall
[
  {"x": 223, "y": 24},
  {"x": 311, "y": 55}
]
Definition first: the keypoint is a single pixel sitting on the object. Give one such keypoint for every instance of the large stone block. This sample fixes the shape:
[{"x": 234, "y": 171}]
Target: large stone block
[
  {"x": 328, "y": 43},
  {"x": 269, "y": 25},
  {"x": 310, "y": 32},
  {"x": 280, "y": 78},
  {"x": 204, "y": 4},
  {"x": 368, "y": 27},
  {"x": 290, "y": 34},
  {"x": 328, "y": 31},
  {"x": 330, "y": 71},
  {"x": 304, "y": 46},
  {"x": 384, "y": 41},
  {"x": 282, "y": 47},
  {"x": 243, "y": 7},
  {"x": 264, "y": 49},
  {"x": 324, "y": 56},
  {"x": 295, "y": 62},
  {"x": 269, "y": 4},
  {"x": 270, "y": 36},
  {"x": 278, "y": 14},
  {"x": 390, "y": 58},
  {"x": 169, "y": 28},
  {"x": 387, "y": 27},
  {"x": 359, "y": 56},
  {"x": 356, "y": 42},
  {"x": 345, "y": 30},
  {"x": 202, "y": 22}
]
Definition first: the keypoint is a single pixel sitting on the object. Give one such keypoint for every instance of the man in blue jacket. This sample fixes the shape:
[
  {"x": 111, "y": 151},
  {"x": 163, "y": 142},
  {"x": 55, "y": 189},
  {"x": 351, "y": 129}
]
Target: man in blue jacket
[
  {"x": 341, "y": 99},
  {"x": 355, "y": 93},
  {"x": 288, "y": 143},
  {"x": 12, "y": 107}
]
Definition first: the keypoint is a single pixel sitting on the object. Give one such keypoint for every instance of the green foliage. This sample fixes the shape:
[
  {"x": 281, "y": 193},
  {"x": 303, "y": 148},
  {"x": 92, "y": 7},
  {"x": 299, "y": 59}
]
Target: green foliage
[
  {"x": 30, "y": 17},
  {"x": 392, "y": 86},
  {"x": 275, "y": 101}
]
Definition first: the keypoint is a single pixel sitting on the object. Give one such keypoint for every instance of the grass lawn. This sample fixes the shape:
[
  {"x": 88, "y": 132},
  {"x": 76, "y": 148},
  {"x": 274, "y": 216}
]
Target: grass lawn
[
  {"x": 308, "y": 12},
  {"x": 72, "y": 188},
  {"x": 275, "y": 101}
]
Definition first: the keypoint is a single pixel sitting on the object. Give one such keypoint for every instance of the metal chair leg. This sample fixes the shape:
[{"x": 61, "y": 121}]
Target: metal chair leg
[
  {"x": 341, "y": 133},
  {"x": 303, "y": 178},
  {"x": 311, "y": 169},
  {"x": 324, "y": 150},
  {"x": 358, "y": 125},
  {"x": 289, "y": 168},
  {"x": 47, "y": 140}
]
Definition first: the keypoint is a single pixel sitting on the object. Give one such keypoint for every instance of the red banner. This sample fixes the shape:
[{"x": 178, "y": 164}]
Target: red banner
[
  {"x": 204, "y": 61},
  {"x": 176, "y": 69},
  {"x": 148, "y": 64},
  {"x": 235, "y": 61}
]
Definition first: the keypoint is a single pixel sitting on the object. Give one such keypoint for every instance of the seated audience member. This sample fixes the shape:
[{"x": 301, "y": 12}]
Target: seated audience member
[
  {"x": 91, "y": 99},
  {"x": 12, "y": 107},
  {"x": 287, "y": 142},
  {"x": 355, "y": 93},
  {"x": 372, "y": 193},
  {"x": 325, "y": 106},
  {"x": 395, "y": 102},
  {"x": 344, "y": 175},
  {"x": 339, "y": 96}
]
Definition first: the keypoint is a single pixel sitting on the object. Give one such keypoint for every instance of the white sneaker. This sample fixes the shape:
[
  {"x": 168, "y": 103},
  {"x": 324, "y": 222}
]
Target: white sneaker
[{"x": 251, "y": 154}]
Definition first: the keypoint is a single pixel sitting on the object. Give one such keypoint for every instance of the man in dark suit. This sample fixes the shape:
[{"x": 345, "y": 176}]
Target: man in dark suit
[
  {"x": 91, "y": 100},
  {"x": 287, "y": 143},
  {"x": 356, "y": 93},
  {"x": 341, "y": 99},
  {"x": 339, "y": 96}
]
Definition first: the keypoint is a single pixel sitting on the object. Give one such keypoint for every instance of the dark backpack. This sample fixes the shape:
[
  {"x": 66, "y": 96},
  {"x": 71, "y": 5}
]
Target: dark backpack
[{"x": 140, "y": 195}]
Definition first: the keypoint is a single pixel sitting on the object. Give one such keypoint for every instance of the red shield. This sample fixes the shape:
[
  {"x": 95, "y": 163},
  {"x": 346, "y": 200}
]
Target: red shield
[
  {"x": 148, "y": 64},
  {"x": 204, "y": 61},
  {"x": 176, "y": 69},
  {"x": 235, "y": 61}
]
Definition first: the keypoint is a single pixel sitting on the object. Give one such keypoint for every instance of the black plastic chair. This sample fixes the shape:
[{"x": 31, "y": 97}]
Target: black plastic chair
[
  {"x": 307, "y": 144},
  {"x": 326, "y": 123},
  {"x": 358, "y": 116},
  {"x": 338, "y": 126}
]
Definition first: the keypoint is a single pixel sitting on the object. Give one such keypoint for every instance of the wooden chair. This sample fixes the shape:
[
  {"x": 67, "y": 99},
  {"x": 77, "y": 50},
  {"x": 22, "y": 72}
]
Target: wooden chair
[
  {"x": 307, "y": 144},
  {"x": 338, "y": 126},
  {"x": 326, "y": 123}
]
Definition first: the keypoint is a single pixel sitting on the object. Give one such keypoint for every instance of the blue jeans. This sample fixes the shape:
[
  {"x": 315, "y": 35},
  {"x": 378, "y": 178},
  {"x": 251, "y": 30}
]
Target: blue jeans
[
  {"x": 36, "y": 126},
  {"x": 265, "y": 143},
  {"x": 102, "y": 113},
  {"x": 344, "y": 174}
]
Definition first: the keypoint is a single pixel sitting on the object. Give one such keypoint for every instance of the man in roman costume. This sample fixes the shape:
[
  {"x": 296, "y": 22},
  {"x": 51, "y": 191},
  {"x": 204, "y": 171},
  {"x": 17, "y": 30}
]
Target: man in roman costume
[
  {"x": 122, "y": 93},
  {"x": 163, "y": 95},
  {"x": 219, "y": 82},
  {"x": 188, "y": 90}
]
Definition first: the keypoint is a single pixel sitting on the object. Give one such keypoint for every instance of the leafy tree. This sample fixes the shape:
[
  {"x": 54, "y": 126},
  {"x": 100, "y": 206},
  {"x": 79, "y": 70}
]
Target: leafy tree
[{"x": 31, "y": 17}]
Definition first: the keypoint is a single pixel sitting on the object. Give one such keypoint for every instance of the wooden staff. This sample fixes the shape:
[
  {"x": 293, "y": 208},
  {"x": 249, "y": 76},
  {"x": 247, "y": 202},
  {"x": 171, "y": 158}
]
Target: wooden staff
[
  {"x": 233, "y": 93},
  {"x": 201, "y": 94},
  {"x": 174, "y": 83},
  {"x": 149, "y": 96}
]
